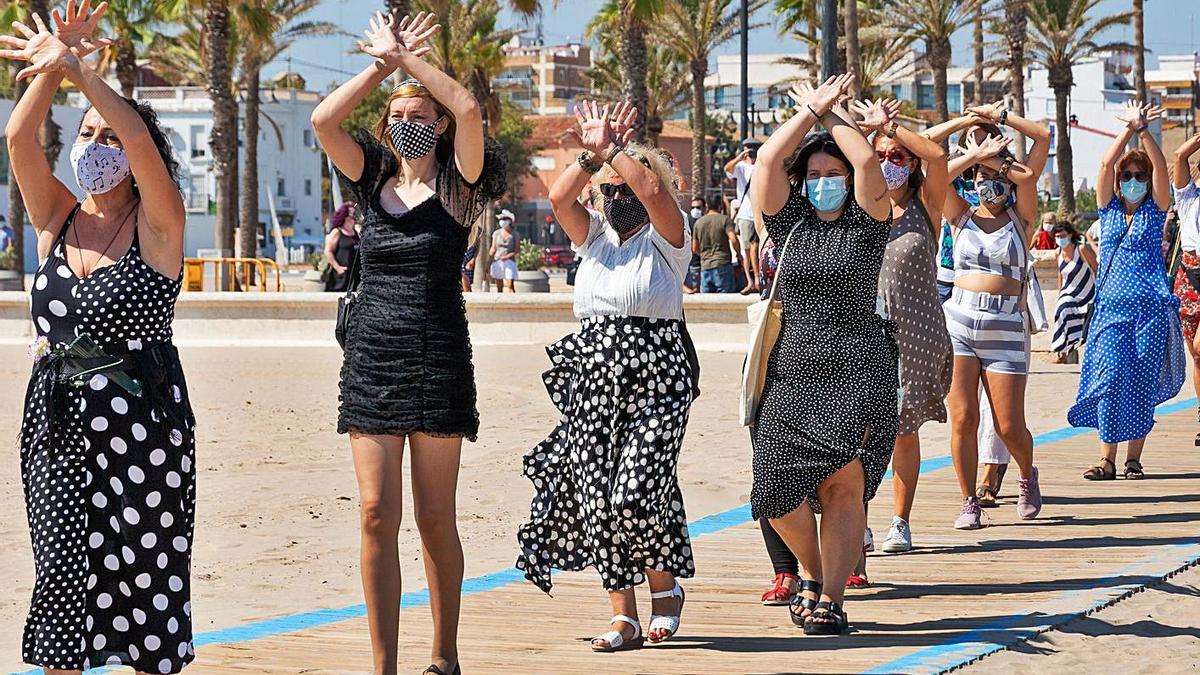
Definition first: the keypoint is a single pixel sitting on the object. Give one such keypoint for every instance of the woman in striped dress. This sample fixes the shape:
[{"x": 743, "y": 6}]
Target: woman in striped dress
[{"x": 1076, "y": 290}]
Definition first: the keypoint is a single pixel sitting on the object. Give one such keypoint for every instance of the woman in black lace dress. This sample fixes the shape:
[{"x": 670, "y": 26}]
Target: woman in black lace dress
[
  {"x": 421, "y": 180},
  {"x": 827, "y": 421},
  {"x": 107, "y": 443}
]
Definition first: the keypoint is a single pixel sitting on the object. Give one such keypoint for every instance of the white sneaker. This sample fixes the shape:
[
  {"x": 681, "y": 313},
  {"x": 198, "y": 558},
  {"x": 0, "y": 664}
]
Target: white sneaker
[
  {"x": 899, "y": 537},
  {"x": 868, "y": 541}
]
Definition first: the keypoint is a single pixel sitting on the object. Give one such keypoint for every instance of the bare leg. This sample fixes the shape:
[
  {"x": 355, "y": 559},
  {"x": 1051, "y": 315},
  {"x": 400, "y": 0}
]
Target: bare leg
[
  {"x": 435, "y": 481},
  {"x": 1193, "y": 347},
  {"x": 512, "y": 286},
  {"x": 623, "y": 602},
  {"x": 378, "y": 462},
  {"x": 963, "y": 401},
  {"x": 906, "y": 467},
  {"x": 1007, "y": 393},
  {"x": 843, "y": 520},
  {"x": 1136, "y": 446}
]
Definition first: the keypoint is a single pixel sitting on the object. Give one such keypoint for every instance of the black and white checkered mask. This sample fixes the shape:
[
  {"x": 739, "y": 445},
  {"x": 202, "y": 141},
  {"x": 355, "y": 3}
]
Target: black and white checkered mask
[
  {"x": 99, "y": 168},
  {"x": 412, "y": 140}
]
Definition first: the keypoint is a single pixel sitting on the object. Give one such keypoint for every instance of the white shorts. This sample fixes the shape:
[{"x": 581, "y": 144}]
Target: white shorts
[{"x": 504, "y": 269}]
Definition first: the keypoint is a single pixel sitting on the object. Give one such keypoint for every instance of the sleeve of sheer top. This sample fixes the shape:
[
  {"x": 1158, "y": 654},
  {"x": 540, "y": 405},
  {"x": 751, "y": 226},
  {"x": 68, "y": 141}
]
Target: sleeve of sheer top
[{"x": 467, "y": 201}]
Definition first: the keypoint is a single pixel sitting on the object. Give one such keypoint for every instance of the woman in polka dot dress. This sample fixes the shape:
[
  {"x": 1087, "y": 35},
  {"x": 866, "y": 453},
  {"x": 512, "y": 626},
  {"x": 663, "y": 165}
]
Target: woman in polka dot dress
[
  {"x": 1135, "y": 355},
  {"x": 827, "y": 421},
  {"x": 606, "y": 494},
  {"x": 107, "y": 438}
]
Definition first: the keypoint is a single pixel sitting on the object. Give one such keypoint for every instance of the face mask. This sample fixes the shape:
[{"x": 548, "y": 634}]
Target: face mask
[
  {"x": 992, "y": 191},
  {"x": 895, "y": 175},
  {"x": 1062, "y": 242},
  {"x": 99, "y": 168},
  {"x": 827, "y": 193},
  {"x": 506, "y": 224},
  {"x": 696, "y": 213},
  {"x": 624, "y": 215},
  {"x": 1048, "y": 227},
  {"x": 965, "y": 189},
  {"x": 412, "y": 140},
  {"x": 1133, "y": 190}
]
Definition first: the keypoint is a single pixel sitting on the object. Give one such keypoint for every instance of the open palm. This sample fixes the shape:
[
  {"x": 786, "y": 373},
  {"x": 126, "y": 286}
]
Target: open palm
[
  {"x": 412, "y": 34},
  {"x": 595, "y": 131},
  {"x": 78, "y": 29},
  {"x": 44, "y": 52}
]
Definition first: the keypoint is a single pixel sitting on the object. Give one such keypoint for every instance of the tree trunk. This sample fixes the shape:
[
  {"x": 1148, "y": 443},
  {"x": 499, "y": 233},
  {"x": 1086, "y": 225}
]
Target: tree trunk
[
  {"x": 841, "y": 42},
  {"x": 978, "y": 48},
  {"x": 16, "y": 204},
  {"x": 126, "y": 66},
  {"x": 634, "y": 65},
  {"x": 248, "y": 218},
  {"x": 398, "y": 8},
  {"x": 939, "y": 61},
  {"x": 223, "y": 137},
  {"x": 829, "y": 47},
  {"x": 1066, "y": 174},
  {"x": 1139, "y": 54},
  {"x": 699, "y": 126},
  {"x": 814, "y": 71},
  {"x": 853, "y": 52},
  {"x": 1014, "y": 14}
]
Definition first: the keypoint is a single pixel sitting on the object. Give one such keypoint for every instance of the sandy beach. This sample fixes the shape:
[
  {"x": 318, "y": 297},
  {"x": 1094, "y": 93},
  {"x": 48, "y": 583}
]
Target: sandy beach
[{"x": 277, "y": 525}]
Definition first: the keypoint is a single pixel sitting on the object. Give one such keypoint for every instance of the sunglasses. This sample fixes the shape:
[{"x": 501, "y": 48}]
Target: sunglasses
[
  {"x": 1139, "y": 176},
  {"x": 613, "y": 189},
  {"x": 893, "y": 156}
]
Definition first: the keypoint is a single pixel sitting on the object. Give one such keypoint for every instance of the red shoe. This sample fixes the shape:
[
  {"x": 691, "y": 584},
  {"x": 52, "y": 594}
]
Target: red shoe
[
  {"x": 857, "y": 581},
  {"x": 782, "y": 590}
]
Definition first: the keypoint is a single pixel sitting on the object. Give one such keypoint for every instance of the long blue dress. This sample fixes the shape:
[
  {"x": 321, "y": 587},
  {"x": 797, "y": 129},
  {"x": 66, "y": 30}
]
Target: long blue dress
[{"x": 1135, "y": 356}]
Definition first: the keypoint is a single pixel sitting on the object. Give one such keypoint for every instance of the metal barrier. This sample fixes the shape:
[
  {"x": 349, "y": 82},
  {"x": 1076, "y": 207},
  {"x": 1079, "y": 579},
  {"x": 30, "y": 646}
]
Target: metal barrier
[{"x": 193, "y": 273}]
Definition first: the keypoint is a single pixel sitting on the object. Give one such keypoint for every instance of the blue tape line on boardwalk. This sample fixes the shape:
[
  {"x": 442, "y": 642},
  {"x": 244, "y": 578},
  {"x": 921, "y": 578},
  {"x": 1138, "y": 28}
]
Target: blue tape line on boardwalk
[{"x": 711, "y": 524}]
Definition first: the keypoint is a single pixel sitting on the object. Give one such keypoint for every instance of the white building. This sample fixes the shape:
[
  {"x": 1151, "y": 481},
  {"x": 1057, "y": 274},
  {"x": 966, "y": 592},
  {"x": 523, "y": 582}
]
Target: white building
[
  {"x": 289, "y": 160},
  {"x": 769, "y": 80},
  {"x": 1175, "y": 81}
]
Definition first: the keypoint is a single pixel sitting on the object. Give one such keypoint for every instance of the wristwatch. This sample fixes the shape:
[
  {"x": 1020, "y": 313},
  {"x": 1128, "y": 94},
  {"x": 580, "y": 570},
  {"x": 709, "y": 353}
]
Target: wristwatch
[
  {"x": 617, "y": 149},
  {"x": 587, "y": 162},
  {"x": 1004, "y": 167},
  {"x": 891, "y": 129},
  {"x": 1142, "y": 128},
  {"x": 1003, "y": 116}
]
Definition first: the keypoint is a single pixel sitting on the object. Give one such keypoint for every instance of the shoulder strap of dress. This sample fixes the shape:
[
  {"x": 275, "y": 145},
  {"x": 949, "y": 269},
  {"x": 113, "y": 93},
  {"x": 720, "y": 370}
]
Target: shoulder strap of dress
[{"x": 62, "y": 233}]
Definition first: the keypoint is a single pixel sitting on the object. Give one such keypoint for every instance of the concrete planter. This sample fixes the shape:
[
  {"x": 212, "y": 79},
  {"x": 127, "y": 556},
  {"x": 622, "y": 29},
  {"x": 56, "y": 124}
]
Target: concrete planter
[
  {"x": 10, "y": 281},
  {"x": 312, "y": 282},
  {"x": 532, "y": 281}
]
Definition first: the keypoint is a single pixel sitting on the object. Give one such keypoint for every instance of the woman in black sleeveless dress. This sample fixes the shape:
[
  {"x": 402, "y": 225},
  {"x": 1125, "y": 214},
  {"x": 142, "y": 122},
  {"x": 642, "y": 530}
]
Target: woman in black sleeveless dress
[
  {"x": 107, "y": 444},
  {"x": 421, "y": 181},
  {"x": 341, "y": 247}
]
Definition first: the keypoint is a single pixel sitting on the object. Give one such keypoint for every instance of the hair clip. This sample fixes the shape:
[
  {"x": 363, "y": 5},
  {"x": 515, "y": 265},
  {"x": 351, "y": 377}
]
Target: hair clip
[{"x": 410, "y": 82}]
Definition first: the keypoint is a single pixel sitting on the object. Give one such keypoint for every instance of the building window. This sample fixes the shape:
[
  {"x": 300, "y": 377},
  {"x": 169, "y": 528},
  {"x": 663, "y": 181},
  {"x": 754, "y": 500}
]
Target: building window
[
  {"x": 954, "y": 97},
  {"x": 543, "y": 162},
  {"x": 199, "y": 141},
  {"x": 308, "y": 138},
  {"x": 280, "y": 188},
  {"x": 307, "y": 187}
]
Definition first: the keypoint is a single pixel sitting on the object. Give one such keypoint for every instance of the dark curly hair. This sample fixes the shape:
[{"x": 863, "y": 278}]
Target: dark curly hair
[
  {"x": 159, "y": 136},
  {"x": 814, "y": 143}
]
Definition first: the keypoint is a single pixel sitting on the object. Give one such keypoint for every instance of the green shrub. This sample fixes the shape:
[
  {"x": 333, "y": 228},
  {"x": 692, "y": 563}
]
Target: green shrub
[{"x": 529, "y": 257}]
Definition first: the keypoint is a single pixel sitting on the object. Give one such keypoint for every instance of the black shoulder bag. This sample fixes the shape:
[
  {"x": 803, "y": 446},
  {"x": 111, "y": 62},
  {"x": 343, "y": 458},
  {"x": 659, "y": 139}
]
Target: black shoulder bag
[{"x": 346, "y": 303}]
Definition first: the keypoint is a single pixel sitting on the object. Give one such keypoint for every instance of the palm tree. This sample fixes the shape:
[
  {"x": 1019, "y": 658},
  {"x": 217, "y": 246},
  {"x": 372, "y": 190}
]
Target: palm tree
[
  {"x": 131, "y": 26},
  {"x": 267, "y": 29},
  {"x": 792, "y": 15},
  {"x": 634, "y": 15},
  {"x": 934, "y": 21},
  {"x": 692, "y": 30},
  {"x": 218, "y": 64},
  {"x": 1139, "y": 54},
  {"x": 1061, "y": 34},
  {"x": 977, "y": 47},
  {"x": 853, "y": 49},
  {"x": 1015, "y": 24}
]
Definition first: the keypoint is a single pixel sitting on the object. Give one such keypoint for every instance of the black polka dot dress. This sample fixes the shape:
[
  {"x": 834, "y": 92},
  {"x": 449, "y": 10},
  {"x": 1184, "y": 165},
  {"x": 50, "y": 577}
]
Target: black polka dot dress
[
  {"x": 108, "y": 475},
  {"x": 832, "y": 377}
]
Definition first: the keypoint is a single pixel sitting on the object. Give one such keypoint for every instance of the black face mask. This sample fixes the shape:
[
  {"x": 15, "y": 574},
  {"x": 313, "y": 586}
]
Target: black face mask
[{"x": 626, "y": 214}]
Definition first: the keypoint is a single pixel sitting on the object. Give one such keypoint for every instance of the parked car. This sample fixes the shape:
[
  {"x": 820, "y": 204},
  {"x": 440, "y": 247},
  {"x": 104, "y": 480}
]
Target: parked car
[{"x": 557, "y": 256}]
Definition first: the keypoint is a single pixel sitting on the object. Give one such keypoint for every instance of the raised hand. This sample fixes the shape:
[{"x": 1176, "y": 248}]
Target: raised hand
[
  {"x": 988, "y": 112},
  {"x": 622, "y": 119},
  {"x": 824, "y": 97},
  {"x": 876, "y": 114},
  {"x": 78, "y": 29},
  {"x": 1132, "y": 114},
  {"x": 595, "y": 132},
  {"x": 799, "y": 94},
  {"x": 1151, "y": 113},
  {"x": 41, "y": 48},
  {"x": 990, "y": 147},
  {"x": 413, "y": 33}
]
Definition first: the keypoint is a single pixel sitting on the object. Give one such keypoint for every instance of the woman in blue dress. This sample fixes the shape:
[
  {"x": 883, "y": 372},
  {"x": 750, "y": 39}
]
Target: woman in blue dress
[{"x": 1135, "y": 357}]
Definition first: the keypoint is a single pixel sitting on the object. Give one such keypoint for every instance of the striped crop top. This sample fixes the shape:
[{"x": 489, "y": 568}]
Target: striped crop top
[{"x": 1001, "y": 253}]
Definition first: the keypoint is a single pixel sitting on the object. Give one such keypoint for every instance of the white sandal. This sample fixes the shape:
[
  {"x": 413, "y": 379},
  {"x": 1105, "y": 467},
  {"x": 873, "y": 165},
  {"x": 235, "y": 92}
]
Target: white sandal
[
  {"x": 616, "y": 641},
  {"x": 668, "y": 623}
]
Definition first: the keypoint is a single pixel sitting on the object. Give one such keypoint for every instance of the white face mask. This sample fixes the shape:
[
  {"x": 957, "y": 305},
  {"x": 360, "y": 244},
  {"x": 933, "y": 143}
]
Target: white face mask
[
  {"x": 696, "y": 212},
  {"x": 99, "y": 168}
]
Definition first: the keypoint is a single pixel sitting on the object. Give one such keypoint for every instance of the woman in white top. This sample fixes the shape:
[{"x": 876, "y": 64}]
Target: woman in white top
[{"x": 606, "y": 495}]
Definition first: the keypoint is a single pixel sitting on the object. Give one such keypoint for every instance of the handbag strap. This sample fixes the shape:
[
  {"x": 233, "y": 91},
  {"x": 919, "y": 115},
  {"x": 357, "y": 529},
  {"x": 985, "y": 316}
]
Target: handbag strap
[
  {"x": 352, "y": 280},
  {"x": 774, "y": 294}
]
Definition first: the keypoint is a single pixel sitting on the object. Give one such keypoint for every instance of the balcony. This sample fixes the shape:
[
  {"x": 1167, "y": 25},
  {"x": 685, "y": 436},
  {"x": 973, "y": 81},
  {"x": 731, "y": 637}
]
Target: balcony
[{"x": 196, "y": 201}]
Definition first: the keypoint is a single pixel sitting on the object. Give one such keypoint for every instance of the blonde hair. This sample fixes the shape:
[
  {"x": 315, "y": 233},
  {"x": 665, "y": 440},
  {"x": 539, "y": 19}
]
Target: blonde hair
[
  {"x": 414, "y": 89},
  {"x": 651, "y": 158}
]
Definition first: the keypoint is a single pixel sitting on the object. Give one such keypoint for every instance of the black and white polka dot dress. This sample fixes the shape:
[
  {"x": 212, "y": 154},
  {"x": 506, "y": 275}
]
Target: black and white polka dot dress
[
  {"x": 108, "y": 475},
  {"x": 832, "y": 376}
]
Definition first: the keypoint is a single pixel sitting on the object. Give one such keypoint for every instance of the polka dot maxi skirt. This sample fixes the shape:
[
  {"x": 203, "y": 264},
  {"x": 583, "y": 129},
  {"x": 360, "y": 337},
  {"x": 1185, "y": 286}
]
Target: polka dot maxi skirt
[
  {"x": 109, "y": 478},
  {"x": 606, "y": 494}
]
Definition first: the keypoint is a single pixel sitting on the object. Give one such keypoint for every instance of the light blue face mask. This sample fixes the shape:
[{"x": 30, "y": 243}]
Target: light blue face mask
[
  {"x": 1134, "y": 190},
  {"x": 827, "y": 193}
]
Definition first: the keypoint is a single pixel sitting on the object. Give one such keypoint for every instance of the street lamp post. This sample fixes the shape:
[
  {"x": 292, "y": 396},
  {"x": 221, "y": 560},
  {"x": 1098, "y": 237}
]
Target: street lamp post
[
  {"x": 745, "y": 63},
  {"x": 829, "y": 42}
]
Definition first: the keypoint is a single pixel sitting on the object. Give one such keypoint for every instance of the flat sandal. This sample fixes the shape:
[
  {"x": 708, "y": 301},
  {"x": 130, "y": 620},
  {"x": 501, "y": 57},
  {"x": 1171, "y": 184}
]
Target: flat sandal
[
  {"x": 1134, "y": 470},
  {"x": 1098, "y": 472}
]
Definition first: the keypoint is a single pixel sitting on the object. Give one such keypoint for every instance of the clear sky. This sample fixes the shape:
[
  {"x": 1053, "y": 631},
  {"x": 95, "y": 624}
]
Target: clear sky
[{"x": 1171, "y": 28}]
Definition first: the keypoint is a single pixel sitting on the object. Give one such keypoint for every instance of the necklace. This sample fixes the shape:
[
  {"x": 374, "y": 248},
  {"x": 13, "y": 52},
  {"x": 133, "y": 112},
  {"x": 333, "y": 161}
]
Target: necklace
[{"x": 79, "y": 246}]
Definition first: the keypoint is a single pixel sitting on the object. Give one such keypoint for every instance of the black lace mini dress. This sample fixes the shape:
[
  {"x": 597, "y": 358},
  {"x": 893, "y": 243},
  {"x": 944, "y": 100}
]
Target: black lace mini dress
[{"x": 407, "y": 365}]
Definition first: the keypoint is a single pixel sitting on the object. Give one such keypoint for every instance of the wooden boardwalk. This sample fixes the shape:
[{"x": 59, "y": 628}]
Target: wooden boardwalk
[{"x": 960, "y": 595}]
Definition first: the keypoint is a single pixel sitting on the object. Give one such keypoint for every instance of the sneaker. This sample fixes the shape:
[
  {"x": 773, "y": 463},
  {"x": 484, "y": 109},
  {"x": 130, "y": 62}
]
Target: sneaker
[
  {"x": 899, "y": 537},
  {"x": 968, "y": 518},
  {"x": 868, "y": 541},
  {"x": 1029, "y": 499}
]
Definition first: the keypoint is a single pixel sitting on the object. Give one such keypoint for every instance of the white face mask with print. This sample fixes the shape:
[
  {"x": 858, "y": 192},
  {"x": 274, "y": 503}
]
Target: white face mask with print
[{"x": 99, "y": 168}]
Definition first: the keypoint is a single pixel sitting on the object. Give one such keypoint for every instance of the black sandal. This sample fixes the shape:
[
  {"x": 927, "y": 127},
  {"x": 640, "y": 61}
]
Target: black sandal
[
  {"x": 834, "y": 610},
  {"x": 1099, "y": 473},
  {"x": 1134, "y": 472},
  {"x": 803, "y": 603},
  {"x": 434, "y": 670},
  {"x": 985, "y": 497}
]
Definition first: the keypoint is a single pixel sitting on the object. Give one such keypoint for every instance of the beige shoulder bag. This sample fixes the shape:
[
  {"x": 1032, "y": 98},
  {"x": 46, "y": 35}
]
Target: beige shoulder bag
[{"x": 766, "y": 321}]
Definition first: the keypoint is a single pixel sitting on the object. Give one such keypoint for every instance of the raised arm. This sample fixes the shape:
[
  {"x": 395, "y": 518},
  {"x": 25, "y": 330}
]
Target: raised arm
[
  {"x": 655, "y": 195},
  {"x": 985, "y": 153},
  {"x": 932, "y": 156},
  {"x": 771, "y": 187},
  {"x": 1182, "y": 168},
  {"x": 998, "y": 113},
  {"x": 1131, "y": 115},
  {"x": 1161, "y": 187},
  {"x": 939, "y": 133},
  {"x": 870, "y": 188},
  {"x": 390, "y": 53},
  {"x": 732, "y": 164}
]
